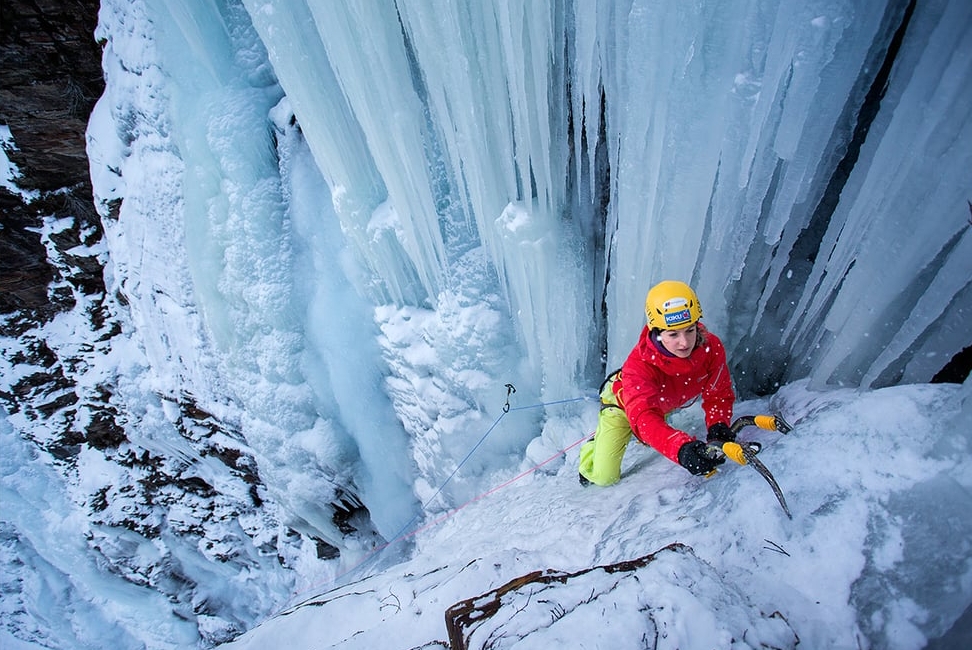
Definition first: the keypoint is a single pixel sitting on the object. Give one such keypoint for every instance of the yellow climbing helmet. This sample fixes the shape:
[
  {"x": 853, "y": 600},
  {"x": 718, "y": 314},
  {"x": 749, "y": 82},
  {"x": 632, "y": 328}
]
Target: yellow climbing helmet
[{"x": 672, "y": 305}]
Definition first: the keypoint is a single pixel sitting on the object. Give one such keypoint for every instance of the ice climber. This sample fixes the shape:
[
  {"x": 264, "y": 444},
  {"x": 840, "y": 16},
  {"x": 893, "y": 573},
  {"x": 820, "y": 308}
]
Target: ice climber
[{"x": 675, "y": 361}]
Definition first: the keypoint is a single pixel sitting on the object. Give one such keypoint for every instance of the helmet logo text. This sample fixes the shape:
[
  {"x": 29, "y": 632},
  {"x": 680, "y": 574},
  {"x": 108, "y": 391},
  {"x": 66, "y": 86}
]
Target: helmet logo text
[
  {"x": 675, "y": 303},
  {"x": 678, "y": 317}
]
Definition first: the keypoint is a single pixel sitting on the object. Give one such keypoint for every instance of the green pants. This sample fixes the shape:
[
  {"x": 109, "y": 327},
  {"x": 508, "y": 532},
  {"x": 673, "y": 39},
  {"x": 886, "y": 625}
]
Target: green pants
[{"x": 600, "y": 458}]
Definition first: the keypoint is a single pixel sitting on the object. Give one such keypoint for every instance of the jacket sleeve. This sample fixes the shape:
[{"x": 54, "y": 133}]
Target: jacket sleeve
[
  {"x": 641, "y": 399},
  {"x": 717, "y": 395}
]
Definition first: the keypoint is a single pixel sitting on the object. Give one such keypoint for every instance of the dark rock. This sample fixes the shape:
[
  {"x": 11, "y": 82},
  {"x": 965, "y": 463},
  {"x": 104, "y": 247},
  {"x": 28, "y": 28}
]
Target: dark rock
[
  {"x": 50, "y": 78},
  {"x": 326, "y": 551},
  {"x": 103, "y": 432}
]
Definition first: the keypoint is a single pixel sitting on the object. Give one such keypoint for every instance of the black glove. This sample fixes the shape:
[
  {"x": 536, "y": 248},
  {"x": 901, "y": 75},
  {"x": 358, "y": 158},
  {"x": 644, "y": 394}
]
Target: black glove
[
  {"x": 693, "y": 457},
  {"x": 720, "y": 432}
]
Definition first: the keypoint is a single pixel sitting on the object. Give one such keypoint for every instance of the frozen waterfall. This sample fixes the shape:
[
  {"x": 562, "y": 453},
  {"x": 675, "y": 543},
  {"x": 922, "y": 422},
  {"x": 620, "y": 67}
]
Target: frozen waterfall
[
  {"x": 309, "y": 188},
  {"x": 774, "y": 154}
]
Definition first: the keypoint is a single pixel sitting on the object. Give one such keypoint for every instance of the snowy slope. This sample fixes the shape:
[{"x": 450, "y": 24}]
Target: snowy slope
[{"x": 878, "y": 554}]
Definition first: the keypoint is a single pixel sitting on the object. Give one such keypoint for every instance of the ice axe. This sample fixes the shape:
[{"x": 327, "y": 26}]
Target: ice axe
[{"x": 744, "y": 453}]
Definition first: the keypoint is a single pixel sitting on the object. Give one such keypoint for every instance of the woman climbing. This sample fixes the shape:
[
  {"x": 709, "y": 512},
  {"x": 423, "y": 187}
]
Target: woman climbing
[{"x": 675, "y": 361}]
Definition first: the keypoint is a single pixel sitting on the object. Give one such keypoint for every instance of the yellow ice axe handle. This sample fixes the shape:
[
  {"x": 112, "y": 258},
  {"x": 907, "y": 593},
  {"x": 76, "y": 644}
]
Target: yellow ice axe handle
[
  {"x": 768, "y": 422},
  {"x": 734, "y": 451},
  {"x": 731, "y": 450}
]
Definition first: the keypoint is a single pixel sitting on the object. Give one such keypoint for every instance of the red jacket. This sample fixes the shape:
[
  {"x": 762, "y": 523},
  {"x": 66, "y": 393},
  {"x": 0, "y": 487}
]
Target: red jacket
[{"x": 653, "y": 384}]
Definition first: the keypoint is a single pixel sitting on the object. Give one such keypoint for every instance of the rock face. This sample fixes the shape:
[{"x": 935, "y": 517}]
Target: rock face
[
  {"x": 50, "y": 67},
  {"x": 50, "y": 78}
]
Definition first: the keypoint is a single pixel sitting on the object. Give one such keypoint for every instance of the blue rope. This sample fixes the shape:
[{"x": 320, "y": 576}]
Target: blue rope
[
  {"x": 510, "y": 390},
  {"x": 450, "y": 477},
  {"x": 488, "y": 431},
  {"x": 561, "y": 401}
]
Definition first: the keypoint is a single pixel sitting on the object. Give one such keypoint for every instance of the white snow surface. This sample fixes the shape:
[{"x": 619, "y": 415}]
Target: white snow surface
[{"x": 878, "y": 553}]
